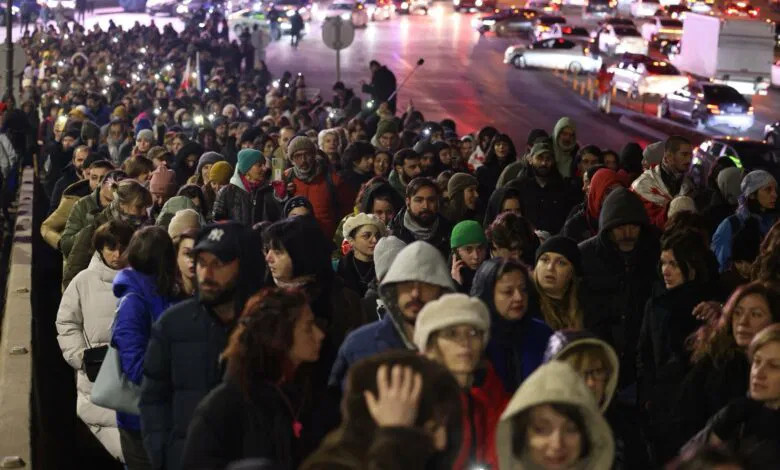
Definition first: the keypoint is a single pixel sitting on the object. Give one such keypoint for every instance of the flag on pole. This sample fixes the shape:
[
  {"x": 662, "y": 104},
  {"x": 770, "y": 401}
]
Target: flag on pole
[{"x": 186, "y": 80}]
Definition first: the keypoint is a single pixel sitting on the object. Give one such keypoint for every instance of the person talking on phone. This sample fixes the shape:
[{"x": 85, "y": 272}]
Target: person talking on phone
[{"x": 469, "y": 251}]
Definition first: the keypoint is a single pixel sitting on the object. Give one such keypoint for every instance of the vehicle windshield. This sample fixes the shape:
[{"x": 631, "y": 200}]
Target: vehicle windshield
[
  {"x": 671, "y": 23},
  {"x": 623, "y": 31},
  {"x": 723, "y": 94},
  {"x": 661, "y": 68}
]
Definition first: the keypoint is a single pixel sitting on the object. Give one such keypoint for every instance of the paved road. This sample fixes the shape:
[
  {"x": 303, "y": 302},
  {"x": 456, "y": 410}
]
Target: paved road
[{"x": 463, "y": 77}]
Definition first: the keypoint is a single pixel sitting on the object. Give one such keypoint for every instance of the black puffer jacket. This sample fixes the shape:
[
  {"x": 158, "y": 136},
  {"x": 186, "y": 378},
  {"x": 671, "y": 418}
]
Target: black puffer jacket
[
  {"x": 619, "y": 284},
  {"x": 233, "y": 203},
  {"x": 545, "y": 206}
]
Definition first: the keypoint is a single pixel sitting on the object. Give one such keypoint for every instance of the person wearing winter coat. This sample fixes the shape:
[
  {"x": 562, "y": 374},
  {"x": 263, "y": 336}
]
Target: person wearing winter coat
[
  {"x": 462, "y": 198},
  {"x": 129, "y": 204},
  {"x": 663, "y": 359},
  {"x": 725, "y": 197},
  {"x": 72, "y": 173},
  {"x": 750, "y": 425},
  {"x": 546, "y": 198},
  {"x": 417, "y": 275},
  {"x": 174, "y": 205},
  {"x": 377, "y": 197},
  {"x": 248, "y": 198},
  {"x": 564, "y": 143},
  {"x": 227, "y": 260},
  {"x": 657, "y": 186},
  {"x": 316, "y": 181},
  {"x": 85, "y": 208},
  {"x": 514, "y": 169},
  {"x": 517, "y": 337},
  {"x": 382, "y": 86},
  {"x": 385, "y": 428},
  {"x": 262, "y": 408},
  {"x": 511, "y": 236},
  {"x": 585, "y": 223},
  {"x": 185, "y": 162},
  {"x": 557, "y": 278},
  {"x": 484, "y": 138},
  {"x": 502, "y": 200},
  {"x": 356, "y": 268},
  {"x": 421, "y": 219},
  {"x": 183, "y": 231},
  {"x": 144, "y": 290},
  {"x": 502, "y": 152},
  {"x": 357, "y": 167},
  {"x": 469, "y": 251},
  {"x": 757, "y": 202},
  {"x": 84, "y": 321},
  {"x": 453, "y": 331},
  {"x": 553, "y": 422},
  {"x": 720, "y": 369},
  {"x": 619, "y": 269}
]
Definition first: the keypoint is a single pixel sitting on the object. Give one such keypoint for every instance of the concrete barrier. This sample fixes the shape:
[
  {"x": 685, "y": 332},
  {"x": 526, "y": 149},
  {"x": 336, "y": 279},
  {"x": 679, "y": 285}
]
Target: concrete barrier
[{"x": 15, "y": 342}]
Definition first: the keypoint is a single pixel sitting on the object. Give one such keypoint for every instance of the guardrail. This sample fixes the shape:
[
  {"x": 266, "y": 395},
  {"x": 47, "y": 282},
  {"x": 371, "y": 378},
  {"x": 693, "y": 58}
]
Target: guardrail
[{"x": 15, "y": 339}]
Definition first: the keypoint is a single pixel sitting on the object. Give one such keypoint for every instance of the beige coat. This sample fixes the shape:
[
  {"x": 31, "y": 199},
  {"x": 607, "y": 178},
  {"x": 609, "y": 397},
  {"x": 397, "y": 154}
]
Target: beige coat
[{"x": 556, "y": 382}]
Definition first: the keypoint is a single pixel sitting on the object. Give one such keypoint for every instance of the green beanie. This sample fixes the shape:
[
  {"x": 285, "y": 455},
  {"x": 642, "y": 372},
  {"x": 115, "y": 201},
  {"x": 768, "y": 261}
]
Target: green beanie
[
  {"x": 467, "y": 232},
  {"x": 246, "y": 158},
  {"x": 385, "y": 126}
]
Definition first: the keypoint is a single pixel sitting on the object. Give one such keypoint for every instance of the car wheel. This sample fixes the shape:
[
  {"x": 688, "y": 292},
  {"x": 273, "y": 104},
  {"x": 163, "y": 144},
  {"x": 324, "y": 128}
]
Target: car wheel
[
  {"x": 575, "y": 68},
  {"x": 519, "y": 62},
  {"x": 664, "y": 105}
]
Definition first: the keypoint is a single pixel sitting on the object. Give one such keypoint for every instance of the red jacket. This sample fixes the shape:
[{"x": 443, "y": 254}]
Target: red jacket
[
  {"x": 482, "y": 408},
  {"x": 320, "y": 193}
]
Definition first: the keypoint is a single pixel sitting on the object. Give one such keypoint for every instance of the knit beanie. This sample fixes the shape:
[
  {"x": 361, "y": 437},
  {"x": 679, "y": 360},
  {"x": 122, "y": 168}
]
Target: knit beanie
[
  {"x": 467, "y": 232},
  {"x": 729, "y": 180},
  {"x": 143, "y": 124},
  {"x": 89, "y": 130},
  {"x": 182, "y": 221},
  {"x": 300, "y": 143},
  {"x": 246, "y": 158},
  {"x": 145, "y": 134},
  {"x": 220, "y": 173},
  {"x": 361, "y": 219},
  {"x": 385, "y": 252},
  {"x": 459, "y": 182},
  {"x": 296, "y": 201},
  {"x": 756, "y": 180},
  {"x": 119, "y": 112},
  {"x": 386, "y": 125},
  {"x": 450, "y": 310},
  {"x": 653, "y": 153},
  {"x": 565, "y": 247},
  {"x": 163, "y": 181},
  {"x": 681, "y": 204}
]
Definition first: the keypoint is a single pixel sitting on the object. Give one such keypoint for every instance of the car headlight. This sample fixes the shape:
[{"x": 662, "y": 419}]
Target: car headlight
[
  {"x": 181, "y": 9},
  {"x": 289, "y": 13},
  {"x": 14, "y": 10},
  {"x": 404, "y": 5},
  {"x": 69, "y": 4},
  {"x": 345, "y": 16},
  {"x": 478, "y": 3}
]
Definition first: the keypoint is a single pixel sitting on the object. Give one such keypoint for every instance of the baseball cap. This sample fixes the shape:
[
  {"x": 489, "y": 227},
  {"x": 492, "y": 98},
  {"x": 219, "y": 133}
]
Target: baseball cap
[{"x": 222, "y": 239}]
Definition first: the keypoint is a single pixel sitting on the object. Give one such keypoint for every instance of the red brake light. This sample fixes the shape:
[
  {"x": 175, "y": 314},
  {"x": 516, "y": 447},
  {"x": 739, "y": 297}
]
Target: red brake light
[{"x": 566, "y": 30}]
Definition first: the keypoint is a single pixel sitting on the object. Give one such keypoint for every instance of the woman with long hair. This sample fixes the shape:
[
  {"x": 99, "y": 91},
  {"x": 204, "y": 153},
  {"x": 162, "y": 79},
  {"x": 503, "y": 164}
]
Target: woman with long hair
[
  {"x": 263, "y": 407},
  {"x": 766, "y": 267},
  {"x": 145, "y": 290},
  {"x": 557, "y": 281},
  {"x": 719, "y": 355},
  {"x": 500, "y": 154}
]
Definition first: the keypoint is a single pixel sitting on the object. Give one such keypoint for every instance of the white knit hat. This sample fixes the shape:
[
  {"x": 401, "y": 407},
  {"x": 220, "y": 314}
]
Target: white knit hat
[
  {"x": 681, "y": 204},
  {"x": 361, "y": 219},
  {"x": 449, "y": 310}
]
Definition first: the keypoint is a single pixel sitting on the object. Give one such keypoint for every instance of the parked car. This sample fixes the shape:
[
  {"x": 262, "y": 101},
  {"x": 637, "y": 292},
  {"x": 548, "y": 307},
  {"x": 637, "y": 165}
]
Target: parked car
[
  {"x": 746, "y": 153},
  {"x": 772, "y": 134},
  {"x": 620, "y": 40},
  {"x": 701, "y": 6},
  {"x": 575, "y": 33},
  {"x": 709, "y": 105},
  {"x": 741, "y": 8},
  {"x": 638, "y": 75},
  {"x": 409, "y": 7},
  {"x": 288, "y": 7},
  {"x": 599, "y": 8},
  {"x": 507, "y": 22},
  {"x": 544, "y": 23},
  {"x": 246, "y": 19},
  {"x": 351, "y": 11},
  {"x": 644, "y": 8},
  {"x": 559, "y": 54},
  {"x": 673, "y": 11},
  {"x": 663, "y": 28},
  {"x": 474, "y": 5},
  {"x": 379, "y": 10},
  {"x": 547, "y": 6}
]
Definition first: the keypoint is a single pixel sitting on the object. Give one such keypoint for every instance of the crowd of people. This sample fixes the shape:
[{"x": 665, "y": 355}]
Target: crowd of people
[{"x": 308, "y": 283}]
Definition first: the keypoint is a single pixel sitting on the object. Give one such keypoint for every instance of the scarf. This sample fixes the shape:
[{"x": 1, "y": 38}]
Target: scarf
[
  {"x": 249, "y": 185},
  {"x": 420, "y": 232},
  {"x": 300, "y": 282}
]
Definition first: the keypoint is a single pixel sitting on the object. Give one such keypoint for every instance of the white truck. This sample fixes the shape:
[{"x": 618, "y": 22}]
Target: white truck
[{"x": 733, "y": 51}]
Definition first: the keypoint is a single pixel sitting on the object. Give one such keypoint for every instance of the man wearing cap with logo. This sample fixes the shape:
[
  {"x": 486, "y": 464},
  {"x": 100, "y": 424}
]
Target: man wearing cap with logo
[{"x": 182, "y": 361}]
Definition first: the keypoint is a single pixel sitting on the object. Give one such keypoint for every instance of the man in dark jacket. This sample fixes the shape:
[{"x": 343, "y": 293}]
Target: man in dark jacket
[
  {"x": 249, "y": 197},
  {"x": 421, "y": 219},
  {"x": 70, "y": 174},
  {"x": 382, "y": 85},
  {"x": 619, "y": 271},
  {"x": 346, "y": 100},
  {"x": 544, "y": 195},
  {"x": 182, "y": 361}
]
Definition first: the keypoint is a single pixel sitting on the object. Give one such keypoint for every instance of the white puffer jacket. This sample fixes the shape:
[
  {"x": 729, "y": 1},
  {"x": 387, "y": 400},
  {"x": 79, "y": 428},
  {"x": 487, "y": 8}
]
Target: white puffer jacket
[{"x": 87, "y": 309}]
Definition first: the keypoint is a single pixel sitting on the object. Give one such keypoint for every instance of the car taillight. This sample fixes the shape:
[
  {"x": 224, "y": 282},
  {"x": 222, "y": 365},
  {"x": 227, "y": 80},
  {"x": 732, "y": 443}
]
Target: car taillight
[{"x": 713, "y": 108}]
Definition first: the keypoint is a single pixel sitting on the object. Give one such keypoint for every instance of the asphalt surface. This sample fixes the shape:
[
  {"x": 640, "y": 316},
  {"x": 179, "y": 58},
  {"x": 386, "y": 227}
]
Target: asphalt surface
[{"x": 463, "y": 77}]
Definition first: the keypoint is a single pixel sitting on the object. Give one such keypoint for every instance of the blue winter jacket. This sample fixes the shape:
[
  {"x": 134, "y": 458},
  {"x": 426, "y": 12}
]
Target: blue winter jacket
[
  {"x": 366, "y": 341},
  {"x": 138, "y": 307},
  {"x": 723, "y": 236}
]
